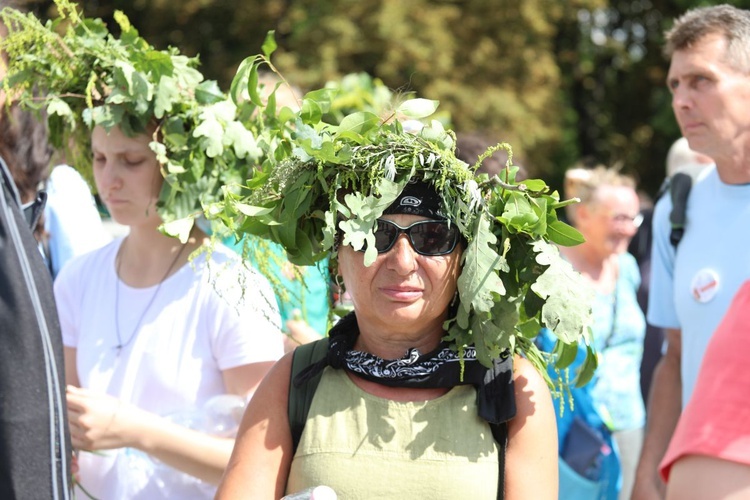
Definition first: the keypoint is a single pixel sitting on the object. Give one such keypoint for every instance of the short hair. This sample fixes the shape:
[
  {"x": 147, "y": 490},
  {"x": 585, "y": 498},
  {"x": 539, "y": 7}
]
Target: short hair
[
  {"x": 730, "y": 22},
  {"x": 582, "y": 183}
]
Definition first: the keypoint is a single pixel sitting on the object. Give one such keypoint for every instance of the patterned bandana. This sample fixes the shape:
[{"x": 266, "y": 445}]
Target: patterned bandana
[
  {"x": 418, "y": 198},
  {"x": 440, "y": 368}
]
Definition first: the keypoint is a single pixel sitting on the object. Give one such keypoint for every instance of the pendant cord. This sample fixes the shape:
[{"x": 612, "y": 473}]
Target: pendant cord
[{"x": 120, "y": 344}]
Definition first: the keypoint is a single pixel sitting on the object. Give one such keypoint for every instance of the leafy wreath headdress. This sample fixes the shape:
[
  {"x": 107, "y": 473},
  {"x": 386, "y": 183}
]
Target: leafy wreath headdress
[
  {"x": 340, "y": 178},
  {"x": 206, "y": 141}
]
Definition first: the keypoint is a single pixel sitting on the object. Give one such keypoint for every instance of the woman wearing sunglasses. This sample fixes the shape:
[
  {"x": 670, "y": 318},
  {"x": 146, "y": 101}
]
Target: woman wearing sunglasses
[{"x": 401, "y": 410}]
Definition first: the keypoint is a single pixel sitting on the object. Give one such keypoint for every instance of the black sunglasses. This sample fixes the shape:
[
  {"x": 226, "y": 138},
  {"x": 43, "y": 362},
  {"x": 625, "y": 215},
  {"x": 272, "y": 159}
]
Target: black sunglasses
[{"x": 427, "y": 237}]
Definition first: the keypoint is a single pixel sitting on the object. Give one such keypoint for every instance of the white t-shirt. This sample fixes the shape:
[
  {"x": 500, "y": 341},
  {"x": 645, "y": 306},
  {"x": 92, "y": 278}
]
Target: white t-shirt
[
  {"x": 691, "y": 289},
  {"x": 207, "y": 317}
]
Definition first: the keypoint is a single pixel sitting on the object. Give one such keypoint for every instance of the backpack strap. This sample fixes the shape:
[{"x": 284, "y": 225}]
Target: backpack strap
[
  {"x": 300, "y": 398},
  {"x": 679, "y": 190},
  {"x": 500, "y": 433}
]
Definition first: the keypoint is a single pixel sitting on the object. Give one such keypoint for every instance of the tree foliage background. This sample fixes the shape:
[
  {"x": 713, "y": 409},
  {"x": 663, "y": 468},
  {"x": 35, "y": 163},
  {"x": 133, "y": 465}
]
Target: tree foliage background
[{"x": 560, "y": 80}]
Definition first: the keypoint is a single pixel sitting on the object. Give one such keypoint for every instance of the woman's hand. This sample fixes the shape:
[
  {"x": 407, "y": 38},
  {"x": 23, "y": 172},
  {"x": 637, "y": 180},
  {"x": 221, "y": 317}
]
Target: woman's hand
[{"x": 99, "y": 421}]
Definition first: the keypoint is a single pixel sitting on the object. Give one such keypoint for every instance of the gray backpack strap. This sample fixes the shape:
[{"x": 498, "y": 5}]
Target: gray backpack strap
[
  {"x": 300, "y": 397},
  {"x": 679, "y": 190}
]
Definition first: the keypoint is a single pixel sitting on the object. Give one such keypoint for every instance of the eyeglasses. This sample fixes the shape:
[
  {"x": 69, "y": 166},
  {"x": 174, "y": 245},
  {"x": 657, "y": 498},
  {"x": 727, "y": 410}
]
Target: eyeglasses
[
  {"x": 427, "y": 237},
  {"x": 627, "y": 219}
]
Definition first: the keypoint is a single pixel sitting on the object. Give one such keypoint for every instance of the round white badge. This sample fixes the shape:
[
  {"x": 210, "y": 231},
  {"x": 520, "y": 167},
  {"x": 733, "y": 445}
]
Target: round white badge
[{"x": 705, "y": 285}]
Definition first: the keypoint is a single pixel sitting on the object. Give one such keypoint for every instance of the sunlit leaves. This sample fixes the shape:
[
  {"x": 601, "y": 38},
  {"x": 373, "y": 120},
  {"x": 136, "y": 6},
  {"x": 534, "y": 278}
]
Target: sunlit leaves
[
  {"x": 479, "y": 282},
  {"x": 417, "y": 108},
  {"x": 568, "y": 296}
]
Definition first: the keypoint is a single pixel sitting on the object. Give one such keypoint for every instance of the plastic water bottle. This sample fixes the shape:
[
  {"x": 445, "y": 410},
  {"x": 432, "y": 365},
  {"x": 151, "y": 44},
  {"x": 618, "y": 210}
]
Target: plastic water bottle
[
  {"x": 315, "y": 493},
  {"x": 222, "y": 415}
]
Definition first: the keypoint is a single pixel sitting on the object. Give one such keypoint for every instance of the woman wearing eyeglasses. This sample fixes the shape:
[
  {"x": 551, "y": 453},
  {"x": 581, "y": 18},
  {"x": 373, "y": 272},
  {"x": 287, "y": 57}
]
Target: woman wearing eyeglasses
[
  {"x": 402, "y": 409},
  {"x": 608, "y": 217}
]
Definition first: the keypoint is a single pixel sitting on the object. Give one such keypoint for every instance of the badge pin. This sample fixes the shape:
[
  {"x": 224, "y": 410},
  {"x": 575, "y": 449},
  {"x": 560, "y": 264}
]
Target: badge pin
[{"x": 705, "y": 285}]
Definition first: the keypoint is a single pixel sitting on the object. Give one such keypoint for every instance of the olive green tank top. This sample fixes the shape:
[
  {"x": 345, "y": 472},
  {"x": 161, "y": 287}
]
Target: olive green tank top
[{"x": 368, "y": 447}]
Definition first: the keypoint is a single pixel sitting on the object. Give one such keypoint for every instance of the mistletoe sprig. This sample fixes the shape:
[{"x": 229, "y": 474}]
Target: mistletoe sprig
[{"x": 341, "y": 177}]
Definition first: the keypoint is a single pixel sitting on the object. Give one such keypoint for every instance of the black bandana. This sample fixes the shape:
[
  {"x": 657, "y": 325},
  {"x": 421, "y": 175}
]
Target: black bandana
[
  {"x": 439, "y": 368},
  {"x": 418, "y": 198}
]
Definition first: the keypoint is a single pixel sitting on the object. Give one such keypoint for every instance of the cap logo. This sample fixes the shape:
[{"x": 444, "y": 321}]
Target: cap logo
[{"x": 410, "y": 201}]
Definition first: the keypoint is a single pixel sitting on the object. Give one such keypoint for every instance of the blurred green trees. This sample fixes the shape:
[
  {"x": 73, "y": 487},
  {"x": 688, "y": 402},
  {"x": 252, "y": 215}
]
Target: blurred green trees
[{"x": 559, "y": 79}]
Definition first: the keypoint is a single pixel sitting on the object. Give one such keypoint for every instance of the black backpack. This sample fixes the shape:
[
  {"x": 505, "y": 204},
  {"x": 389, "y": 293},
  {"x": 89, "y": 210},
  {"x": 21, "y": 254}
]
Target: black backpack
[
  {"x": 300, "y": 399},
  {"x": 35, "y": 447}
]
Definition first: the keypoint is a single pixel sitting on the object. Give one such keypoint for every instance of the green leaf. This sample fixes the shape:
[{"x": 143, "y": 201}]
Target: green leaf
[
  {"x": 166, "y": 93},
  {"x": 269, "y": 44},
  {"x": 239, "y": 82},
  {"x": 359, "y": 123},
  {"x": 488, "y": 341},
  {"x": 179, "y": 228},
  {"x": 252, "y": 86},
  {"x": 208, "y": 92},
  {"x": 567, "y": 310},
  {"x": 310, "y": 112},
  {"x": 534, "y": 184},
  {"x": 250, "y": 210},
  {"x": 529, "y": 328},
  {"x": 563, "y": 234},
  {"x": 322, "y": 99},
  {"x": 565, "y": 354},
  {"x": 479, "y": 279},
  {"x": 158, "y": 64},
  {"x": 418, "y": 108},
  {"x": 588, "y": 368},
  {"x": 57, "y": 106},
  {"x": 213, "y": 134}
]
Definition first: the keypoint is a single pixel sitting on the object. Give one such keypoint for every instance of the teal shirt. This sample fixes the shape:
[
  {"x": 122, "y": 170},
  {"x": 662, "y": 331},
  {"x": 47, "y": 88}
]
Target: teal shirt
[
  {"x": 304, "y": 296},
  {"x": 619, "y": 327}
]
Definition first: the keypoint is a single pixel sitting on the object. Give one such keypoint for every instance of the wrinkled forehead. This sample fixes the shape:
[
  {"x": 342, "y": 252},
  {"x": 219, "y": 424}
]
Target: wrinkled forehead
[{"x": 706, "y": 54}]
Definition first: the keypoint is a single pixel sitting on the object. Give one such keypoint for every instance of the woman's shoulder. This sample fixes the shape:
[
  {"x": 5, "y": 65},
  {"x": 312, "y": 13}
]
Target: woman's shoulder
[
  {"x": 524, "y": 371},
  {"x": 628, "y": 267},
  {"x": 95, "y": 259}
]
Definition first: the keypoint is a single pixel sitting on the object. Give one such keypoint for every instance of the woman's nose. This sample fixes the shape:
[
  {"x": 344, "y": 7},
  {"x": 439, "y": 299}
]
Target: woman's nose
[
  {"x": 108, "y": 176},
  {"x": 401, "y": 257}
]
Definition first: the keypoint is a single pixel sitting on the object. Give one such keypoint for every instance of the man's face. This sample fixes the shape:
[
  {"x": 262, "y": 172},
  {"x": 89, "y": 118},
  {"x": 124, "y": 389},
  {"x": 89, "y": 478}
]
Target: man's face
[{"x": 710, "y": 99}]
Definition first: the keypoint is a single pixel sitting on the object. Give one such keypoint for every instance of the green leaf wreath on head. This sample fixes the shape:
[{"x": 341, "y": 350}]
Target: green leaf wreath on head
[
  {"x": 340, "y": 178},
  {"x": 207, "y": 142}
]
